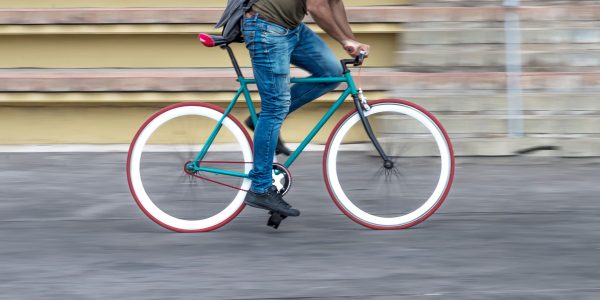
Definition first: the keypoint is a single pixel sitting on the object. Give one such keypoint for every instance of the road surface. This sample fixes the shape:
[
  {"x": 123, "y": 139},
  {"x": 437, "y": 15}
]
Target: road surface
[{"x": 512, "y": 228}]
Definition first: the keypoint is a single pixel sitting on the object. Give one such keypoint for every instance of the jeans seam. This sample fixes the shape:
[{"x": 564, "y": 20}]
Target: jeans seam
[{"x": 269, "y": 59}]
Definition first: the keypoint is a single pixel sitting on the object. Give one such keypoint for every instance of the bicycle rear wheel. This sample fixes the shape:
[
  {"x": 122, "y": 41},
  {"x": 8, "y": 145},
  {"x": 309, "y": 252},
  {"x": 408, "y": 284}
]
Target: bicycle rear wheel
[
  {"x": 389, "y": 197},
  {"x": 165, "y": 144}
]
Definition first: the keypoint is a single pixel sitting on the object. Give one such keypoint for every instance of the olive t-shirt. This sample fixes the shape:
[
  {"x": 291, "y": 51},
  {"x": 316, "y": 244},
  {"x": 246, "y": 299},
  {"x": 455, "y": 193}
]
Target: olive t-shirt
[{"x": 287, "y": 13}]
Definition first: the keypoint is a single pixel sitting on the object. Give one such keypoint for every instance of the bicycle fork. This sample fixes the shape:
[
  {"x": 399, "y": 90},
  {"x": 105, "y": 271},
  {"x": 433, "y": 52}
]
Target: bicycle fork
[{"x": 361, "y": 106}]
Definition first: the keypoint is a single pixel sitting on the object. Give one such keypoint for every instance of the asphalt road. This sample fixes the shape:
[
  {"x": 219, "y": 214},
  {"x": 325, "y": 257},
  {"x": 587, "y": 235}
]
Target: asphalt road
[{"x": 513, "y": 228}]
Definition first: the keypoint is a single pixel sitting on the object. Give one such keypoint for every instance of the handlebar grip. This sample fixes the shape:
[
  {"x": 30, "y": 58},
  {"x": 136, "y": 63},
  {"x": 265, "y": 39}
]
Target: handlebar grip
[{"x": 360, "y": 58}]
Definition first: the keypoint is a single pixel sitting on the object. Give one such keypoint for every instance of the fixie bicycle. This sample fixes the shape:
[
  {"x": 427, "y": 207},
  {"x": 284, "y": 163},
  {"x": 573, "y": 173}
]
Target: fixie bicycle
[{"x": 388, "y": 164}]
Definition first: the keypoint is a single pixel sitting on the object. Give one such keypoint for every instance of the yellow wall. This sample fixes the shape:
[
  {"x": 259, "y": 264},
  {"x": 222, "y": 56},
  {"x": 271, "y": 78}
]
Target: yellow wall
[
  {"x": 113, "y": 117},
  {"x": 101, "y": 124},
  {"x": 143, "y": 51}
]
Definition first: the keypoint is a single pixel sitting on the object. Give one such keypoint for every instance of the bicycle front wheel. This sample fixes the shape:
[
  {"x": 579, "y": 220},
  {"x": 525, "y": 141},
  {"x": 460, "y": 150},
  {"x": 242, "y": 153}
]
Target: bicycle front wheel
[
  {"x": 392, "y": 196},
  {"x": 170, "y": 194}
]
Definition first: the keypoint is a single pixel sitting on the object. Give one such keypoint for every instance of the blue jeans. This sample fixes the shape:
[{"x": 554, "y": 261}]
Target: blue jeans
[{"x": 272, "y": 49}]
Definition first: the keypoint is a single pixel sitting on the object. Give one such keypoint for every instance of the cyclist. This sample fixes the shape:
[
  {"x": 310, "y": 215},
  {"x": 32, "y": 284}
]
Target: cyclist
[{"x": 276, "y": 37}]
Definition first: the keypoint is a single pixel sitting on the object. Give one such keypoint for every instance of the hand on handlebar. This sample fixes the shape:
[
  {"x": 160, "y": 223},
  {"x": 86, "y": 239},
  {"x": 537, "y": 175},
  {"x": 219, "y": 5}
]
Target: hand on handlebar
[{"x": 354, "y": 48}]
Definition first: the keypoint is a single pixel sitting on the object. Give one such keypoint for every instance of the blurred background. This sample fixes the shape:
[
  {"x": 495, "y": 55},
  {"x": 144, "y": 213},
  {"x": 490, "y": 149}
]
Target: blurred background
[{"x": 504, "y": 77}]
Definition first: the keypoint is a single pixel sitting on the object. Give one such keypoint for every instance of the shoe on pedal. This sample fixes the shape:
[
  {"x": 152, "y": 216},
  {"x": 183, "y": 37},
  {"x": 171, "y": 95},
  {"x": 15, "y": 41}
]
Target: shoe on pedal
[
  {"x": 280, "y": 149},
  {"x": 271, "y": 201}
]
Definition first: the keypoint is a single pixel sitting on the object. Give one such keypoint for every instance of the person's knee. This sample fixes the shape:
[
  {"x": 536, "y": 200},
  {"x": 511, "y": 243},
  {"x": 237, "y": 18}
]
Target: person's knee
[
  {"x": 339, "y": 71},
  {"x": 333, "y": 69},
  {"x": 276, "y": 109}
]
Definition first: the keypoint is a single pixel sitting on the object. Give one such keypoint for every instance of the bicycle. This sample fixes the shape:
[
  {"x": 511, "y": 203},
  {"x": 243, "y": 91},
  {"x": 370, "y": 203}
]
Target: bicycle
[{"x": 190, "y": 180}]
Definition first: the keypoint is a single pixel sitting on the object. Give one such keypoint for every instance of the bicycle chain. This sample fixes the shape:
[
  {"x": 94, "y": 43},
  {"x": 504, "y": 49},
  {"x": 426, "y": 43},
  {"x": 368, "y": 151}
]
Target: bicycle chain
[{"x": 216, "y": 181}]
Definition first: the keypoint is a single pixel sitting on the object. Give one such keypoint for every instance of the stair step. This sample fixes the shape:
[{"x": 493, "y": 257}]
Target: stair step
[
  {"x": 499, "y": 2},
  {"x": 497, "y": 36},
  {"x": 448, "y": 104},
  {"x": 363, "y": 14},
  {"x": 533, "y": 103},
  {"x": 136, "y": 80},
  {"x": 99, "y": 80},
  {"x": 151, "y": 3},
  {"x": 502, "y": 146},
  {"x": 468, "y": 59},
  {"x": 191, "y": 15},
  {"x": 498, "y": 124},
  {"x": 151, "y": 46}
]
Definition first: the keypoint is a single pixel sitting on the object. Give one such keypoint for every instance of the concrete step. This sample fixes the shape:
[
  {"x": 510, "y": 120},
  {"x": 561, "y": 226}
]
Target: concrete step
[
  {"x": 473, "y": 58},
  {"x": 503, "y": 146},
  {"x": 555, "y": 38},
  {"x": 187, "y": 15},
  {"x": 440, "y": 104},
  {"x": 490, "y": 125},
  {"x": 497, "y": 103},
  {"x": 201, "y": 13},
  {"x": 500, "y": 2},
  {"x": 147, "y": 38},
  {"x": 117, "y": 122},
  {"x": 132, "y": 80},
  {"x": 477, "y": 82},
  {"x": 102, "y": 124},
  {"x": 136, "y": 80},
  {"x": 150, "y": 3},
  {"x": 444, "y": 36},
  {"x": 151, "y": 46},
  {"x": 474, "y": 25}
]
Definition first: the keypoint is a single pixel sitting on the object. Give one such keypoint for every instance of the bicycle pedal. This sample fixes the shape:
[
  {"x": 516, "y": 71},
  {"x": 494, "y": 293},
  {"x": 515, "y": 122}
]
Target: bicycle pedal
[{"x": 275, "y": 220}]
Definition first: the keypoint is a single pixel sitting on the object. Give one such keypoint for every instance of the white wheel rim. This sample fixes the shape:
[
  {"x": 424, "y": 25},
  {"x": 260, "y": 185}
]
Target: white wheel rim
[
  {"x": 438, "y": 192},
  {"x": 140, "y": 191}
]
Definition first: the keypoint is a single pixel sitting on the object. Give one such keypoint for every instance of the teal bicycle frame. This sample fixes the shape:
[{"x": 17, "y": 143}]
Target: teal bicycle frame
[{"x": 243, "y": 90}]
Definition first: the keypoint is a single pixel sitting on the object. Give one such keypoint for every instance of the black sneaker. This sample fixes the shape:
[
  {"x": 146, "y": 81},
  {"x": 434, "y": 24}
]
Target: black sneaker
[
  {"x": 271, "y": 201},
  {"x": 280, "y": 149}
]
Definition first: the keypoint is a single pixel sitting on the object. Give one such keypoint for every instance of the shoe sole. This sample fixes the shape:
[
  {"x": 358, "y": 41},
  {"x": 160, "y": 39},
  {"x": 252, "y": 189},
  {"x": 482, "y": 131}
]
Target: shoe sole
[{"x": 269, "y": 209}]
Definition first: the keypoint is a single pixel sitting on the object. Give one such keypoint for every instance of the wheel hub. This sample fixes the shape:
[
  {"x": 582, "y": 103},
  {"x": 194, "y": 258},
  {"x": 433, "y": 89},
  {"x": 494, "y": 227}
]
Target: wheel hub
[
  {"x": 189, "y": 167},
  {"x": 388, "y": 164}
]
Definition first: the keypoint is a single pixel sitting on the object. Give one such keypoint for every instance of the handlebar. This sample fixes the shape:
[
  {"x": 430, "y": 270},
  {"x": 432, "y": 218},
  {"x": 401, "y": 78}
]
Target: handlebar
[{"x": 357, "y": 61}]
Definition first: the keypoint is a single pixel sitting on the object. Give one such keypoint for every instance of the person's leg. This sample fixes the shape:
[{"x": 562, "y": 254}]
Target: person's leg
[
  {"x": 270, "y": 49},
  {"x": 313, "y": 55},
  {"x": 281, "y": 148}
]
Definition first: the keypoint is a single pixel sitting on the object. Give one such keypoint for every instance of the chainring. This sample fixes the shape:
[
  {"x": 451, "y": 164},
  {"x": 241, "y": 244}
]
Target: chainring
[{"x": 282, "y": 178}]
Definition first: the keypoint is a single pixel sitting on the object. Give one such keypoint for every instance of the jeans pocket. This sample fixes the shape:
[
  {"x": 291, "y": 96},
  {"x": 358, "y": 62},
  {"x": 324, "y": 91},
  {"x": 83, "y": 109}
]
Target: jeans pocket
[
  {"x": 275, "y": 29},
  {"x": 249, "y": 38}
]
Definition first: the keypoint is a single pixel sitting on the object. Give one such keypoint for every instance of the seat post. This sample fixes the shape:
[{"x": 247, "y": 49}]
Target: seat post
[{"x": 234, "y": 61}]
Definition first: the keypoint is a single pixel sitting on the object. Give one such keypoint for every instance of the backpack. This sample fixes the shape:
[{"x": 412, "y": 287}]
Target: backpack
[{"x": 232, "y": 17}]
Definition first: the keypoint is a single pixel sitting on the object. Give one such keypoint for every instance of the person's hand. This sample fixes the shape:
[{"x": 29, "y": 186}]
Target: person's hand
[{"x": 354, "y": 48}]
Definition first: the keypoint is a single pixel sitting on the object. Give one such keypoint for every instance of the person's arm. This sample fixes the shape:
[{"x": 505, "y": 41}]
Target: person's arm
[
  {"x": 340, "y": 17},
  {"x": 323, "y": 13}
]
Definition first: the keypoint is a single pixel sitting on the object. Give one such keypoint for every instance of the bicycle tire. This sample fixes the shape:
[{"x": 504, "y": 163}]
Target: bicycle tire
[
  {"x": 348, "y": 160},
  {"x": 157, "y": 156}
]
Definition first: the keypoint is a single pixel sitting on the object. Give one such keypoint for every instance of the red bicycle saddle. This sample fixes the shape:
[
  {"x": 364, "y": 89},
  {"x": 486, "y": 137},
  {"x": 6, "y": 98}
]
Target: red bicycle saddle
[{"x": 209, "y": 40}]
